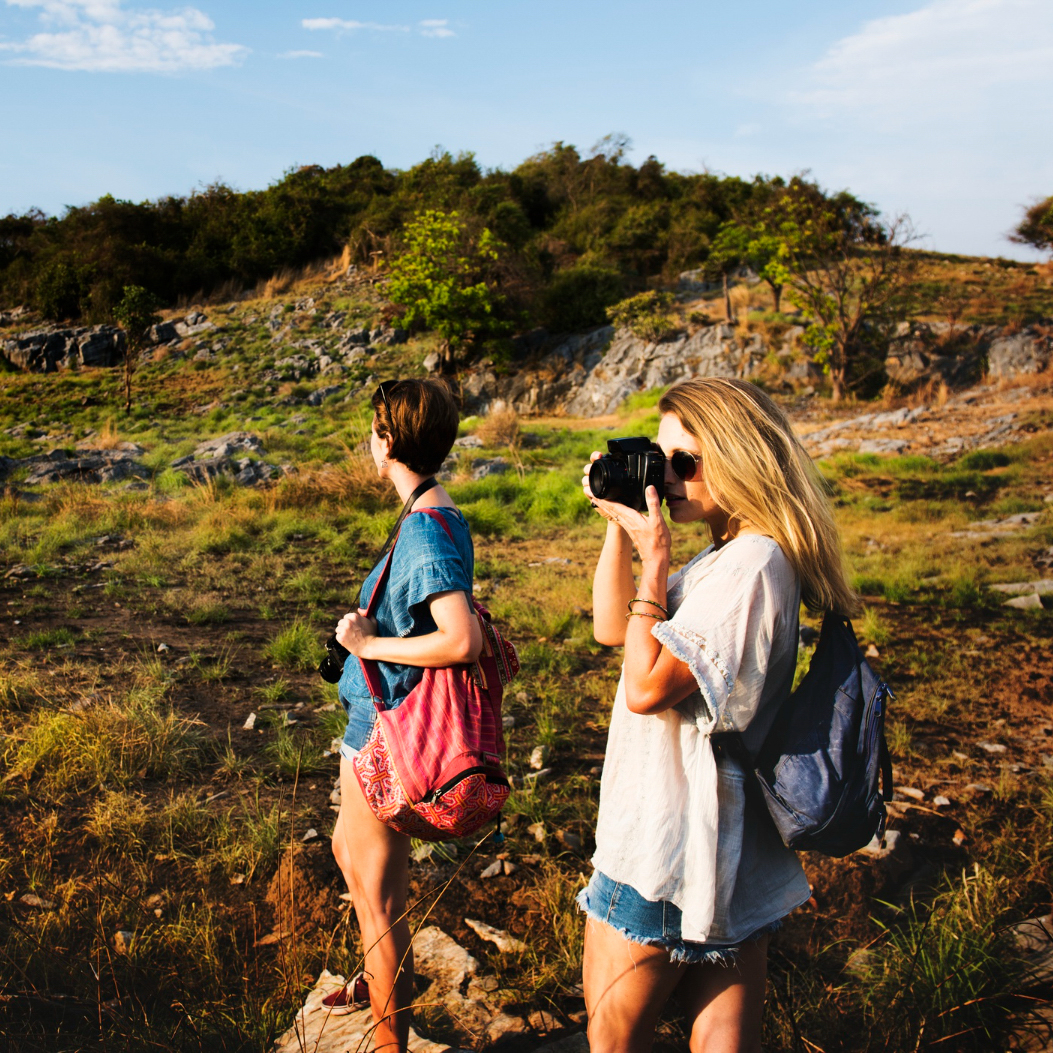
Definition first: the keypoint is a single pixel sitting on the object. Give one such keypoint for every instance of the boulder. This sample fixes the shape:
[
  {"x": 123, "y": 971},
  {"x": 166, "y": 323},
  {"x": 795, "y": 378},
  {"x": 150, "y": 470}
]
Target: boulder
[
  {"x": 86, "y": 466},
  {"x": 49, "y": 350},
  {"x": 1028, "y": 351}
]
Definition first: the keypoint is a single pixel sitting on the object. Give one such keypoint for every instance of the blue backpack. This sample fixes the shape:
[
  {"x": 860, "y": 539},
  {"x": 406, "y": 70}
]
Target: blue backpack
[{"x": 821, "y": 764}]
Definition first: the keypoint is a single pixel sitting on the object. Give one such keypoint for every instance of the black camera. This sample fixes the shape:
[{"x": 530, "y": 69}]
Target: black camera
[
  {"x": 625, "y": 473},
  {"x": 331, "y": 668}
]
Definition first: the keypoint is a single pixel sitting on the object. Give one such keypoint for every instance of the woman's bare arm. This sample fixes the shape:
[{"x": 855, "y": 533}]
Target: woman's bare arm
[
  {"x": 612, "y": 587},
  {"x": 457, "y": 637}
]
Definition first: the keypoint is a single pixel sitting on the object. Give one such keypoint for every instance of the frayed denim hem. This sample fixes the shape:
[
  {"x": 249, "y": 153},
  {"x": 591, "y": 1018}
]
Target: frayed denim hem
[{"x": 681, "y": 952}]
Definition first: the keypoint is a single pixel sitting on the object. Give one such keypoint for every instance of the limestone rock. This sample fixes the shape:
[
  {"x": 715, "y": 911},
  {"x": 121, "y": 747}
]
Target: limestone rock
[
  {"x": 442, "y": 960},
  {"x": 1028, "y": 351},
  {"x": 48, "y": 350},
  {"x": 317, "y": 1030},
  {"x": 501, "y": 939},
  {"x": 1031, "y": 602},
  {"x": 86, "y": 466}
]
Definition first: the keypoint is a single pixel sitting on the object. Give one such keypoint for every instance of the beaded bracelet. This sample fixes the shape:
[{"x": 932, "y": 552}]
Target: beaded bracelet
[
  {"x": 644, "y": 614},
  {"x": 653, "y": 603}
]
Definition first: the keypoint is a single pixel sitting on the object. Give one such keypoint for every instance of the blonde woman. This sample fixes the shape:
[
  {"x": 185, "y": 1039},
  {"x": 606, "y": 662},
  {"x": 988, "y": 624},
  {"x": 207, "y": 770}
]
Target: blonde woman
[{"x": 691, "y": 877}]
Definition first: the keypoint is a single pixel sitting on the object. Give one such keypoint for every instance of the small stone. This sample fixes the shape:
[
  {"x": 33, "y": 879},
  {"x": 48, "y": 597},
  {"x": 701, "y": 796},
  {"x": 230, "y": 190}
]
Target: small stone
[
  {"x": 334, "y": 797},
  {"x": 522, "y": 697},
  {"x": 495, "y": 869},
  {"x": 939, "y": 801},
  {"x": 508, "y": 722},
  {"x": 537, "y": 830},
  {"x": 958, "y": 755},
  {"x": 535, "y": 777},
  {"x": 156, "y": 900},
  {"x": 979, "y": 789},
  {"x": 530, "y": 861},
  {"x": 569, "y": 840},
  {"x": 871, "y": 652},
  {"x": 158, "y": 912},
  {"x": 238, "y": 879},
  {"x": 992, "y": 747},
  {"x": 347, "y": 897},
  {"x": 542, "y": 1021},
  {"x": 30, "y": 899},
  {"x": 310, "y": 835},
  {"x": 959, "y": 837},
  {"x": 163, "y": 648},
  {"x": 501, "y": 939},
  {"x": 250, "y": 722},
  {"x": 539, "y": 757},
  {"x": 1047, "y": 759},
  {"x": 882, "y": 847},
  {"x": 1031, "y": 602},
  {"x": 911, "y": 792},
  {"x": 122, "y": 941},
  {"x": 509, "y": 867}
]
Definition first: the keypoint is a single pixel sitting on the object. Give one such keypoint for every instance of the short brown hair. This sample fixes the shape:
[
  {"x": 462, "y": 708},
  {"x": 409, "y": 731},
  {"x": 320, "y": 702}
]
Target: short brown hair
[{"x": 420, "y": 418}]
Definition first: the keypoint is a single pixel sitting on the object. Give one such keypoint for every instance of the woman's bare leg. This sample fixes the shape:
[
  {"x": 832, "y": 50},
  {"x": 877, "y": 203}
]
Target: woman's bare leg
[
  {"x": 726, "y": 1003},
  {"x": 626, "y": 985},
  {"x": 374, "y": 860}
]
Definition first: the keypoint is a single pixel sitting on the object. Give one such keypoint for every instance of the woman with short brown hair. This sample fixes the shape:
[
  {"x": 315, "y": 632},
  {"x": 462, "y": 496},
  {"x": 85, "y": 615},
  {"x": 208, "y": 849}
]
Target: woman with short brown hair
[{"x": 424, "y": 619}]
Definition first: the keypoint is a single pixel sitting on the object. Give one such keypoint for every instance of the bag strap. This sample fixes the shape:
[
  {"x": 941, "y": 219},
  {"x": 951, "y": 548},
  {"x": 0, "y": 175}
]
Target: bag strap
[{"x": 370, "y": 669}]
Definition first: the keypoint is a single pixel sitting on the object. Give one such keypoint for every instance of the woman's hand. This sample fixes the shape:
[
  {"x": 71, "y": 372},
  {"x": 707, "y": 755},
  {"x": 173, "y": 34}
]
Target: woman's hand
[
  {"x": 586, "y": 489},
  {"x": 648, "y": 533},
  {"x": 355, "y": 630}
]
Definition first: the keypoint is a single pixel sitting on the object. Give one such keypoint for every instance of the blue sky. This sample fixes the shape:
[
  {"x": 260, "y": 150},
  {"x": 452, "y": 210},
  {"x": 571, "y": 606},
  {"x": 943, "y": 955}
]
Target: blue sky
[{"x": 941, "y": 109}]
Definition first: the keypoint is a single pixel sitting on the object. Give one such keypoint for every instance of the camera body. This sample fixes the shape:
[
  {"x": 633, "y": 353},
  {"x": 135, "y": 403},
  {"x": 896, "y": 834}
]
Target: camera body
[
  {"x": 331, "y": 668},
  {"x": 624, "y": 473}
]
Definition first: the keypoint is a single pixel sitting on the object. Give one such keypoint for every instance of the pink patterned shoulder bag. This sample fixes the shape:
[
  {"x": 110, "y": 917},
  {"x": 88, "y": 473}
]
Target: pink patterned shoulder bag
[{"x": 432, "y": 766}]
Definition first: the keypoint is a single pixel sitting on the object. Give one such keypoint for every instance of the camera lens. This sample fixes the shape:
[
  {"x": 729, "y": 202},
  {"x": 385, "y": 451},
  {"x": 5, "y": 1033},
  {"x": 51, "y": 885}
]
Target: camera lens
[{"x": 608, "y": 478}]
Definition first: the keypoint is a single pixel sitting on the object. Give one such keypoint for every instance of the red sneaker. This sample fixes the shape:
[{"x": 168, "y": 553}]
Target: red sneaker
[{"x": 354, "y": 995}]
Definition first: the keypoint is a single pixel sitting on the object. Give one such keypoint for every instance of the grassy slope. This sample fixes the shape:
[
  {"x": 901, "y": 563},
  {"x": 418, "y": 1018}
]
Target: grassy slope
[{"x": 133, "y": 798}]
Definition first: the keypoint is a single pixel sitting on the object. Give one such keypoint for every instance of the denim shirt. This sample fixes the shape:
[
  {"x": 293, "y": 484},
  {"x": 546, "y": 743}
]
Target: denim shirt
[{"x": 425, "y": 561}]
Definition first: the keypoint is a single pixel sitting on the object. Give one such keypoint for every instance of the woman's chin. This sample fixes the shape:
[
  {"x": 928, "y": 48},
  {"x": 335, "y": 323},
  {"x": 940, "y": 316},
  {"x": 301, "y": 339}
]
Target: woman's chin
[{"x": 680, "y": 511}]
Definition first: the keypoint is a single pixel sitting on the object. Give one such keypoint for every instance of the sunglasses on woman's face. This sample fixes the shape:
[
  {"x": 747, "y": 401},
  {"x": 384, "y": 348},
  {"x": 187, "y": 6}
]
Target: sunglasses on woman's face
[{"x": 685, "y": 465}]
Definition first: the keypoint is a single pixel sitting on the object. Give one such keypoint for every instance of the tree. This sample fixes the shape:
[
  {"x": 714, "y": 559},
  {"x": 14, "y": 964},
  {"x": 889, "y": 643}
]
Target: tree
[
  {"x": 1036, "y": 228},
  {"x": 135, "y": 314},
  {"x": 765, "y": 255},
  {"x": 844, "y": 267},
  {"x": 440, "y": 280},
  {"x": 728, "y": 251}
]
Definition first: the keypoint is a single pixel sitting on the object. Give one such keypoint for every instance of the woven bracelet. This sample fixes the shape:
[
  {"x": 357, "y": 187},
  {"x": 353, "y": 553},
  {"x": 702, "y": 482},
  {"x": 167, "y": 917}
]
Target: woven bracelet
[{"x": 653, "y": 603}]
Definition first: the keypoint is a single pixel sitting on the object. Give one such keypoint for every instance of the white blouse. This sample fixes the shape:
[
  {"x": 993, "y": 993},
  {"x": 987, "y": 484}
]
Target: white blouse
[{"x": 673, "y": 823}]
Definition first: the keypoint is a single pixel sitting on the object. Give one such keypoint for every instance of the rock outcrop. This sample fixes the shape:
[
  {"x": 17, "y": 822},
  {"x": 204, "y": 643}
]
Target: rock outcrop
[
  {"x": 49, "y": 350},
  {"x": 82, "y": 465},
  {"x": 592, "y": 373},
  {"x": 219, "y": 457}
]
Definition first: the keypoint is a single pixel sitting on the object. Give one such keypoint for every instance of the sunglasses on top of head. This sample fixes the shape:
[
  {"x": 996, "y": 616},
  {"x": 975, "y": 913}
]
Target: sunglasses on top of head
[{"x": 685, "y": 465}]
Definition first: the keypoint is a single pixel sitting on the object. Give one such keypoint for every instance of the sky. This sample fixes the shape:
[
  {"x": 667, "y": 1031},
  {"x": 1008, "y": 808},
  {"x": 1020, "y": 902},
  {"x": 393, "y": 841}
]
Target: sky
[{"x": 942, "y": 110}]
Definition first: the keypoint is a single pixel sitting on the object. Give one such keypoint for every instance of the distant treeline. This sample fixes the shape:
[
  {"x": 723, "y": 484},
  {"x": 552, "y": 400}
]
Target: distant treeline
[{"x": 578, "y": 233}]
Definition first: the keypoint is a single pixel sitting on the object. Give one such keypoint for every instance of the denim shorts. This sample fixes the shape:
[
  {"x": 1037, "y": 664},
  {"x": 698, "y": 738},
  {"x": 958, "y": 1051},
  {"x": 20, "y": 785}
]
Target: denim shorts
[
  {"x": 361, "y": 716},
  {"x": 654, "y": 923}
]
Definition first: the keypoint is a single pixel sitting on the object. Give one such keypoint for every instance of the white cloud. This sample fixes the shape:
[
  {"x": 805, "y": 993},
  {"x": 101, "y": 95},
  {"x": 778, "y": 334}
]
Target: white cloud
[
  {"x": 436, "y": 27},
  {"x": 349, "y": 25},
  {"x": 103, "y": 36},
  {"x": 938, "y": 59},
  {"x": 429, "y": 27},
  {"x": 300, "y": 54}
]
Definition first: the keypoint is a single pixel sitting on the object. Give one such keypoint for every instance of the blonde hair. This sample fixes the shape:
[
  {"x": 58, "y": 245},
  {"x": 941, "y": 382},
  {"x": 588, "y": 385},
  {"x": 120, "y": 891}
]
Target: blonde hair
[{"x": 758, "y": 472}]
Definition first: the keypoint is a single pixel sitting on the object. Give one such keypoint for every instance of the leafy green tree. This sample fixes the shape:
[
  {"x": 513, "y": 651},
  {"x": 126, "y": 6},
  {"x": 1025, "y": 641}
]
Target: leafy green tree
[
  {"x": 1036, "y": 228},
  {"x": 845, "y": 268},
  {"x": 440, "y": 280},
  {"x": 765, "y": 253},
  {"x": 728, "y": 251},
  {"x": 135, "y": 314}
]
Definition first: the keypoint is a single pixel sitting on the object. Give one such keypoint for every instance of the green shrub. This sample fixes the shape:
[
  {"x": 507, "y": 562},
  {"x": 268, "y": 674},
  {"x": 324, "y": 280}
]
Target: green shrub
[
  {"x": 984, "y": 460},
  {"x": 646, "y": 314}
]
